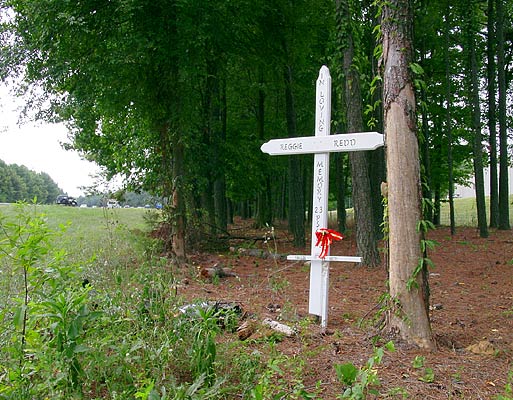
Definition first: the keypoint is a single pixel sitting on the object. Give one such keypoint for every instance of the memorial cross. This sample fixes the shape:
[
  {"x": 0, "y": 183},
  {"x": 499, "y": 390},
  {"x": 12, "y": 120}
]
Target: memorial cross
[{"x": 321, "y": 145}]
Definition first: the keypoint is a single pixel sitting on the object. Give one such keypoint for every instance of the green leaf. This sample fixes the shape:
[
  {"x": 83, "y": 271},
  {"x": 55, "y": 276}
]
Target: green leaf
[
  {"x": 390, "y": 346},
  {"x": 346, "y": 373},
  {"x": 428, "y": 377},
  {"x": 80, "y": 348},
  {"x": 416, "y": 68},
  {"x": 19, "y": 315},
  {"x": 418, "y": 362}
]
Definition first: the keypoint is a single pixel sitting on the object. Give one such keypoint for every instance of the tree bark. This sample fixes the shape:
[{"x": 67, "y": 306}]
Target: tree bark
[
  {"x": 264, "y": 196},
  {"x": 448, "y": 121},
  {"x": 296, "y": 185},
  {"x": 492, "y": 120},
  {"x": 473, "y": 94},
  {"x": 377, "y": 157},
  {"x": 407, "y": 315},
  {"x": 366, "y": 239},
  {"x": 503, "y": 134},
  {"x": 220, "y": 201},
  {"x": 341, "y": 192},
  {"x": 178, "y": 206},
  {"x": 424, "y": 140}
]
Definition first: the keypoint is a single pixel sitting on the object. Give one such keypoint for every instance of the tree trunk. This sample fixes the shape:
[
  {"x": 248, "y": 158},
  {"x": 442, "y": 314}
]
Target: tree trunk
[
  {"x": 473, "y": 93},
  {"x": 427, "y": 187},
  {"x": 172, "y": 175},
  {"x": 296, "y": 183},
  {"x": 448, "y": 121},
  {"x": 435, "y": 190},
  {"x": 377, "y": 157},
  {"x": 436, "y": 204},
  {"x": 492, "y": 120},
  {"x": 211, "y": 147},
  {"x": 178, "y": 206},
  {"x": 407, "y": 316},
  {"x": 264, "y": 196},
  {"x": 220, "y": 201},
  {"x": 366, "y": 239},
  {"x": 208, "y": 205},
  {"x": 340, "y": 192},
  {"x": 503, "y": 134}
]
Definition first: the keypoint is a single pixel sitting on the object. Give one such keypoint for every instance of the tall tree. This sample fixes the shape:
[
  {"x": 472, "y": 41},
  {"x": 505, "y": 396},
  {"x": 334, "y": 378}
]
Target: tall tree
[
  {"x": 448, "y": 115},
  {"x": 296, "y": 180},
  {"x": 503, "y": 135},
  {"x": 362, "y": 201},
  {"x": 424, "y": 136},
  {"x": 492, "y": 109},
  {"x": 111, "y": 70},
  {"x": 470, "y": 31},
  {"x": 408, "y": 315}
]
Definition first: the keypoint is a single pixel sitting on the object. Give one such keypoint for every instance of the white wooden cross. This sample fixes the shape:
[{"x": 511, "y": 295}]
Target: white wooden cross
[{"x": 322, "y": 144}]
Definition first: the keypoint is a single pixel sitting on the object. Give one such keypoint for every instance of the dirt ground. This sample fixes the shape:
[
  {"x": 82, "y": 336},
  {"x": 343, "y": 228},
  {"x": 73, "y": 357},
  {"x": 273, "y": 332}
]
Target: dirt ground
[{"x": 471, "y": 317}]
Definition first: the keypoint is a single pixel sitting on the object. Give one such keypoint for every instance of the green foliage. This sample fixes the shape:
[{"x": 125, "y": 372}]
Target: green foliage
[
  {"x": 361, "y": 382},
  {"x": 18, "y": 183},
  {"x": 116, "y": 334},
  {"x": 428, "y": 375},
  {"x": 508, "y": 389},
  {"x": 273, "y": 385},
  {"x": 50, "y": 310},
  {"x": 424, "y": 263}
]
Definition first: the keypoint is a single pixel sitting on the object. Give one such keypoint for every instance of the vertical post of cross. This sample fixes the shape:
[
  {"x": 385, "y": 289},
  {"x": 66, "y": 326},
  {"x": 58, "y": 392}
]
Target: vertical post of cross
[{"x": 319, "y": 269}]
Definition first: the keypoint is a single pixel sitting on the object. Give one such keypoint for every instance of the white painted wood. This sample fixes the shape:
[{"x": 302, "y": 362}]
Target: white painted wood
[
  {"x": 328, "y": 258},
  {"x": 319, "y": 277},
  {"x": 324, "y": 144}
]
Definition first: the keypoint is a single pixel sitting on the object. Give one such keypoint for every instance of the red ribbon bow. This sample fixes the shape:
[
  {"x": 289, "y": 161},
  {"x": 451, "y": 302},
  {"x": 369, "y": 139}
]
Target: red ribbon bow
[{"x": 325, "y": 237}]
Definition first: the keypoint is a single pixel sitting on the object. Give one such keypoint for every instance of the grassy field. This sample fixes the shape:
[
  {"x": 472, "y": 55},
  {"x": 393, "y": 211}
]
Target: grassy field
[
  {"x": 466, "y": 212},
  {"x": 91, "y": 232}
]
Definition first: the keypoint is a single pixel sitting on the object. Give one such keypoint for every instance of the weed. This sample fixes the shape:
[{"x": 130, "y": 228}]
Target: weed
[
  {"x": 50, "y": 312},
  {"x": 360, "y": 382},
  {"x": 428, "y": 375},
  {"x": 418, "y": 361},
  {"x": 397, "y": 391},
  {"x": 278, "y": 284},
  {"x": 270, "y": 239},
  {"x": 283, "y": 379},
  {"x": 508, "y": 389}
]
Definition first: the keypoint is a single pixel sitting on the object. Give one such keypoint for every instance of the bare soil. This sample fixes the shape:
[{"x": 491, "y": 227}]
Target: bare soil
[{"x": 471, "y": 311}]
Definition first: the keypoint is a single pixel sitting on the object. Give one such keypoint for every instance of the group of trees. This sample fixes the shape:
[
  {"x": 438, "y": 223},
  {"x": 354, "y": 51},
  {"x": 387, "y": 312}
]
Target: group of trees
[
  {"x": 178, "y": 95},
  {"x": 18, "y": 183}
]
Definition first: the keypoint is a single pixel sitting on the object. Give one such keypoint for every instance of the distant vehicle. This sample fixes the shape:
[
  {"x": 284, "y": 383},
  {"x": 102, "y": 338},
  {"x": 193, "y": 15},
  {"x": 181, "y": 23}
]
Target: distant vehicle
[{"x": 66, "y": 200}]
